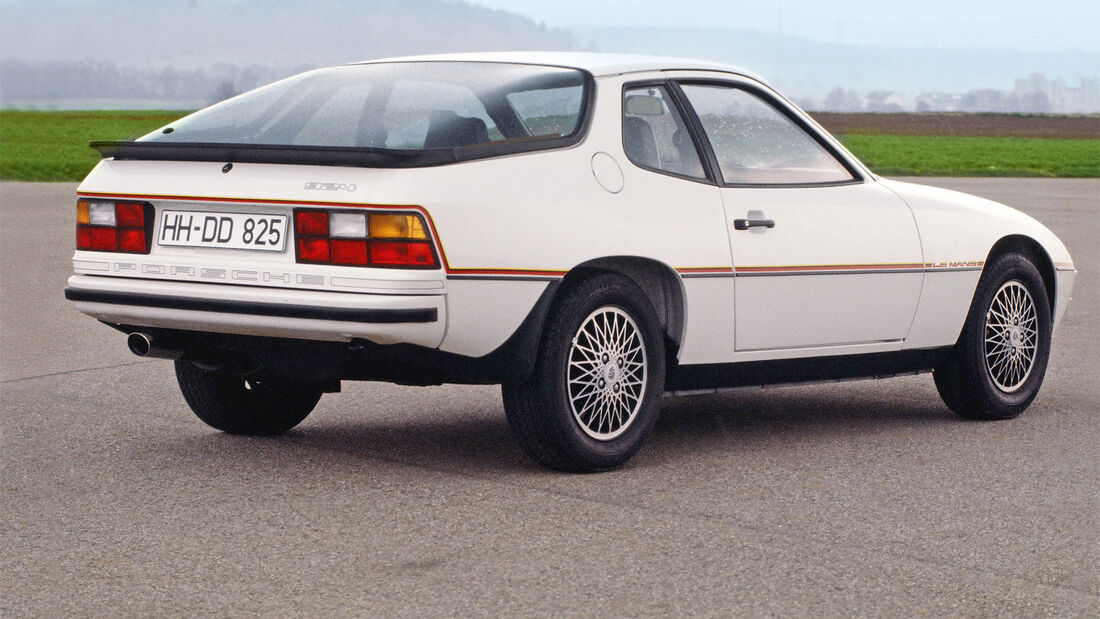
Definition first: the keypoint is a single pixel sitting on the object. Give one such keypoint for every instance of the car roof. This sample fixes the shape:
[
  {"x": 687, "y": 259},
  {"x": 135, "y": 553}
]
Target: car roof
[{"x": 595, "y": 63}]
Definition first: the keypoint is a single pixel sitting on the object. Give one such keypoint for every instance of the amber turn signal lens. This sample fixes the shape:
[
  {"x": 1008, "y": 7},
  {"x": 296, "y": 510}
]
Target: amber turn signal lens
[
  {"x": 388, "y": 226},
  {"x": 82, "y": 212}
]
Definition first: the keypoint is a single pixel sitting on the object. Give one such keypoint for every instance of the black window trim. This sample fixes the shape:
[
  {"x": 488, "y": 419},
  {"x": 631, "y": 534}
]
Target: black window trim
[
  {"x": 351, "y": 156},
  {"x": 696, "y": 138},
  {"x": 781, "y": 106}
]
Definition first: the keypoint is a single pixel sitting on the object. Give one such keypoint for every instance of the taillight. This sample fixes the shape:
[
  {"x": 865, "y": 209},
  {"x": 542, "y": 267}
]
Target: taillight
[
  {"x": 106, "y": 225},
  {"x": 363, "y": 238}
]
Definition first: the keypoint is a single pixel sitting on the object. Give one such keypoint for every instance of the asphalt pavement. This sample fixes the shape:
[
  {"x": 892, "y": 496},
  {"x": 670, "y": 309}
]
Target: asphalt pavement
[{"x": 861, "y": 498}]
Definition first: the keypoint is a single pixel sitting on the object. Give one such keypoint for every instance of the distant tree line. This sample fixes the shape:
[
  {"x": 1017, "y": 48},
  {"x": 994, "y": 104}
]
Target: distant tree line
[
  {"x": 990, "y": 100},
  {"x": 96, "y": 79},
  {"x": 981, "y": 100}
]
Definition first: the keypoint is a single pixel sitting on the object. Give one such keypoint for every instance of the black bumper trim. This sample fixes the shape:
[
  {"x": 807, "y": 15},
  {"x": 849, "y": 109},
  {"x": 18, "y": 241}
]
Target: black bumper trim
[{"x": 387, "y": 316}]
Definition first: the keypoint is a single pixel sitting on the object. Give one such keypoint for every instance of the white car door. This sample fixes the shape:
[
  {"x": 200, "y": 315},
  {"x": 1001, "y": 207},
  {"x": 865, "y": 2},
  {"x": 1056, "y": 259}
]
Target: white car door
[{"x": 822, "y": 256}]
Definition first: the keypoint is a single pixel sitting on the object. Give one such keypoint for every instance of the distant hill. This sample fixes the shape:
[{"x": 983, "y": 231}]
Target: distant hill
[
  {"x": 188, "y": 53},
  {"x": 189, "y": 34}
]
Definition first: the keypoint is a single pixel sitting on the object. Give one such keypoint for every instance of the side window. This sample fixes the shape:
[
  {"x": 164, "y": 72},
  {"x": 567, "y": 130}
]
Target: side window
[
  {"x": 756, "y": 143},
  {"x": 654, "y": 134}
]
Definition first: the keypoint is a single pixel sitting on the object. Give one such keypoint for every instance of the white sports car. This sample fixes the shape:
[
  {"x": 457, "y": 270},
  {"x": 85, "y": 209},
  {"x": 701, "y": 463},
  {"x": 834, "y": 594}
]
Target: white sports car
[{"x": 590, "y": 231}]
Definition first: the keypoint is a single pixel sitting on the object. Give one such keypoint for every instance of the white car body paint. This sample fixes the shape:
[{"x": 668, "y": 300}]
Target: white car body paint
[
  {"x": 956, "y": 229},
  {"x": 881, "y": 265}
]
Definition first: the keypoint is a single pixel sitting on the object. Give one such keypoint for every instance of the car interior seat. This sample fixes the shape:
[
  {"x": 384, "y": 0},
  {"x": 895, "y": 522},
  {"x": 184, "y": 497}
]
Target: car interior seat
[
  {"x": 449, "y": 130},
  {"x": 640, "y": 144},
  {"x": 689, "y": 157}
]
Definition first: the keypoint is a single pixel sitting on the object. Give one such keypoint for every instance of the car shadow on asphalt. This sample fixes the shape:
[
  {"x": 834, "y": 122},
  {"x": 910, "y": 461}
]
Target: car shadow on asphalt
[
  {"x": 774, "y": 420},
  {"x": 476, "y": 440}
]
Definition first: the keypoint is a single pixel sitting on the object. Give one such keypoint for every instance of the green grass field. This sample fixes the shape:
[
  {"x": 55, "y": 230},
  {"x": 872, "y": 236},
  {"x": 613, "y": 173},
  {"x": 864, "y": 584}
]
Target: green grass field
[
  {"x": 912, "y": 155},
  {"x": 53, "y": 146}
]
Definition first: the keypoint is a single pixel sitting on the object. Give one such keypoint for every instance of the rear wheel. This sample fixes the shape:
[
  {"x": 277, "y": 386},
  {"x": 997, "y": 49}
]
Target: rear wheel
[
  {"x": 255, "y": 404},
  {"x": 596, "y": 389},
  {"x": 997, "y": 367}
]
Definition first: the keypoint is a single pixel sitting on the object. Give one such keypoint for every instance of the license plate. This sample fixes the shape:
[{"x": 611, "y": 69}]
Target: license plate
[{"x": 224, "y": 230}]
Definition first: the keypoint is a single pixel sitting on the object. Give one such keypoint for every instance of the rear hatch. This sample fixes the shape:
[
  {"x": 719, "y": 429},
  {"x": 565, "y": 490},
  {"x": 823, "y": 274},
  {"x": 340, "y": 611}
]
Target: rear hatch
[{"x": 311, "y": 182}]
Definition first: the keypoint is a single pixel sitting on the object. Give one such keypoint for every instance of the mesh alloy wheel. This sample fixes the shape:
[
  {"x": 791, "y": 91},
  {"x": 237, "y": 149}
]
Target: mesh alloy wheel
[
  {"x": 996, "y": 368},
  {"x": 607, "y": 373},
  {"x": 1011, "y": 336},
  {"x": 595, "y": 391}
]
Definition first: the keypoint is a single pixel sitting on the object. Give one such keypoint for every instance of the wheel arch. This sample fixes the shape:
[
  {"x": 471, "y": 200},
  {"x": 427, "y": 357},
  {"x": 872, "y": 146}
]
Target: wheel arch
[
  {"x": 1034, "y": 251},
  {"x": 660, "y": 283},
  {"x": 515, "y": 359}
]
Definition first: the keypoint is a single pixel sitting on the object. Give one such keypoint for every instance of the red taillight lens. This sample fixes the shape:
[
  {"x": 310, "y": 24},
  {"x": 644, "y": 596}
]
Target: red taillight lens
[
  {"x": 131, "y": 240},
  {"x": 313, "y": 250},
  {"x": 358, "y": 238},
  {"x": 349, "y": 252},
  {"x": 103, "y": 225},
  {"x": 391, "y": 253},
  {"x": 311, "y": 223},
  {"x": 421, "y": 254},
  {"x": 130, "y": 214},
  {"x": 83, "y": 237},
  {"x": 104, "y": 239}
]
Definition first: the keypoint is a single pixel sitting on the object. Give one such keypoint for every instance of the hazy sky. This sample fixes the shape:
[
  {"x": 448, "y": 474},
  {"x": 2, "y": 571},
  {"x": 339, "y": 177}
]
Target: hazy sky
[
  {"x": 1032, "y": 25},
  {"x": 907, "y": 46}
]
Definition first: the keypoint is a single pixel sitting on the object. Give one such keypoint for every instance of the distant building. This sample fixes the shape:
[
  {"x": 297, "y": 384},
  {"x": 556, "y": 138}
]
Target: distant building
[{"x": 1036, "y": 92}]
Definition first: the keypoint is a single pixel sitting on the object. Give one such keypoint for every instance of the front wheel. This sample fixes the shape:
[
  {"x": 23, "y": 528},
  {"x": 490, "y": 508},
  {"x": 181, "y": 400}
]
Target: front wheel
[
  {"x": 257, "y": 405},
  {"x": 997, "y": 366},
  {"x": 596, "y": 389}
]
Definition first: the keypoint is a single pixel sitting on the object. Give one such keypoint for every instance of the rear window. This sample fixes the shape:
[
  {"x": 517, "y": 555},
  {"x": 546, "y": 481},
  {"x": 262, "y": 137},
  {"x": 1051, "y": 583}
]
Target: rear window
[
  {"x": 401, "y": 106},
  {"x": 548, "y": 111}
]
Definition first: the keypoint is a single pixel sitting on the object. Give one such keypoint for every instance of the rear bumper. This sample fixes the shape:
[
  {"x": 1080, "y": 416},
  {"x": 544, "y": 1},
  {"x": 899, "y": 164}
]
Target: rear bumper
[{"x": 252, "y": 310}]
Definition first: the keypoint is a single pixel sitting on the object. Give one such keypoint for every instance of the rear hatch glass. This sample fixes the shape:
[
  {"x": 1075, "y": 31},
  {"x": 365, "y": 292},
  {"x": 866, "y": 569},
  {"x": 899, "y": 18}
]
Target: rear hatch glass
[{"x": 384, "y": 114}]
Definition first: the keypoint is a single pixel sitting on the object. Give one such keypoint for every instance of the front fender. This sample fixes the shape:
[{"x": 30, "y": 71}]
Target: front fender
[{"x": 958, "y": 231}]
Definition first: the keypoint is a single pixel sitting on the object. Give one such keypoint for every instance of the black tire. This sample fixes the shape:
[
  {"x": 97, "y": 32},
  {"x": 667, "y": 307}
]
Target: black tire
[
  {"x": 255, "y": 405},
  {"x": 966, "y": 381},
  {"x": 618, "y": 400}
]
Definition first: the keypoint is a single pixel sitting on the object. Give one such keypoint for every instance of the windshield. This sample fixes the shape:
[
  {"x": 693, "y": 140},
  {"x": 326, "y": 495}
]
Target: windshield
[{"x": 405, "y": 106}]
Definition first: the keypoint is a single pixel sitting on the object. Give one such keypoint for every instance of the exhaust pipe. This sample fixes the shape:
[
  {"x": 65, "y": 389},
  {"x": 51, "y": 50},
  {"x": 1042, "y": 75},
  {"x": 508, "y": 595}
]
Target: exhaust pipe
[{"x": 142, "y": 345}]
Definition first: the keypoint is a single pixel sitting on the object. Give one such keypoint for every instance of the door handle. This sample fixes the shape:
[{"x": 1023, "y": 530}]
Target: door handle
[{"x": 745, "y": 224}]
